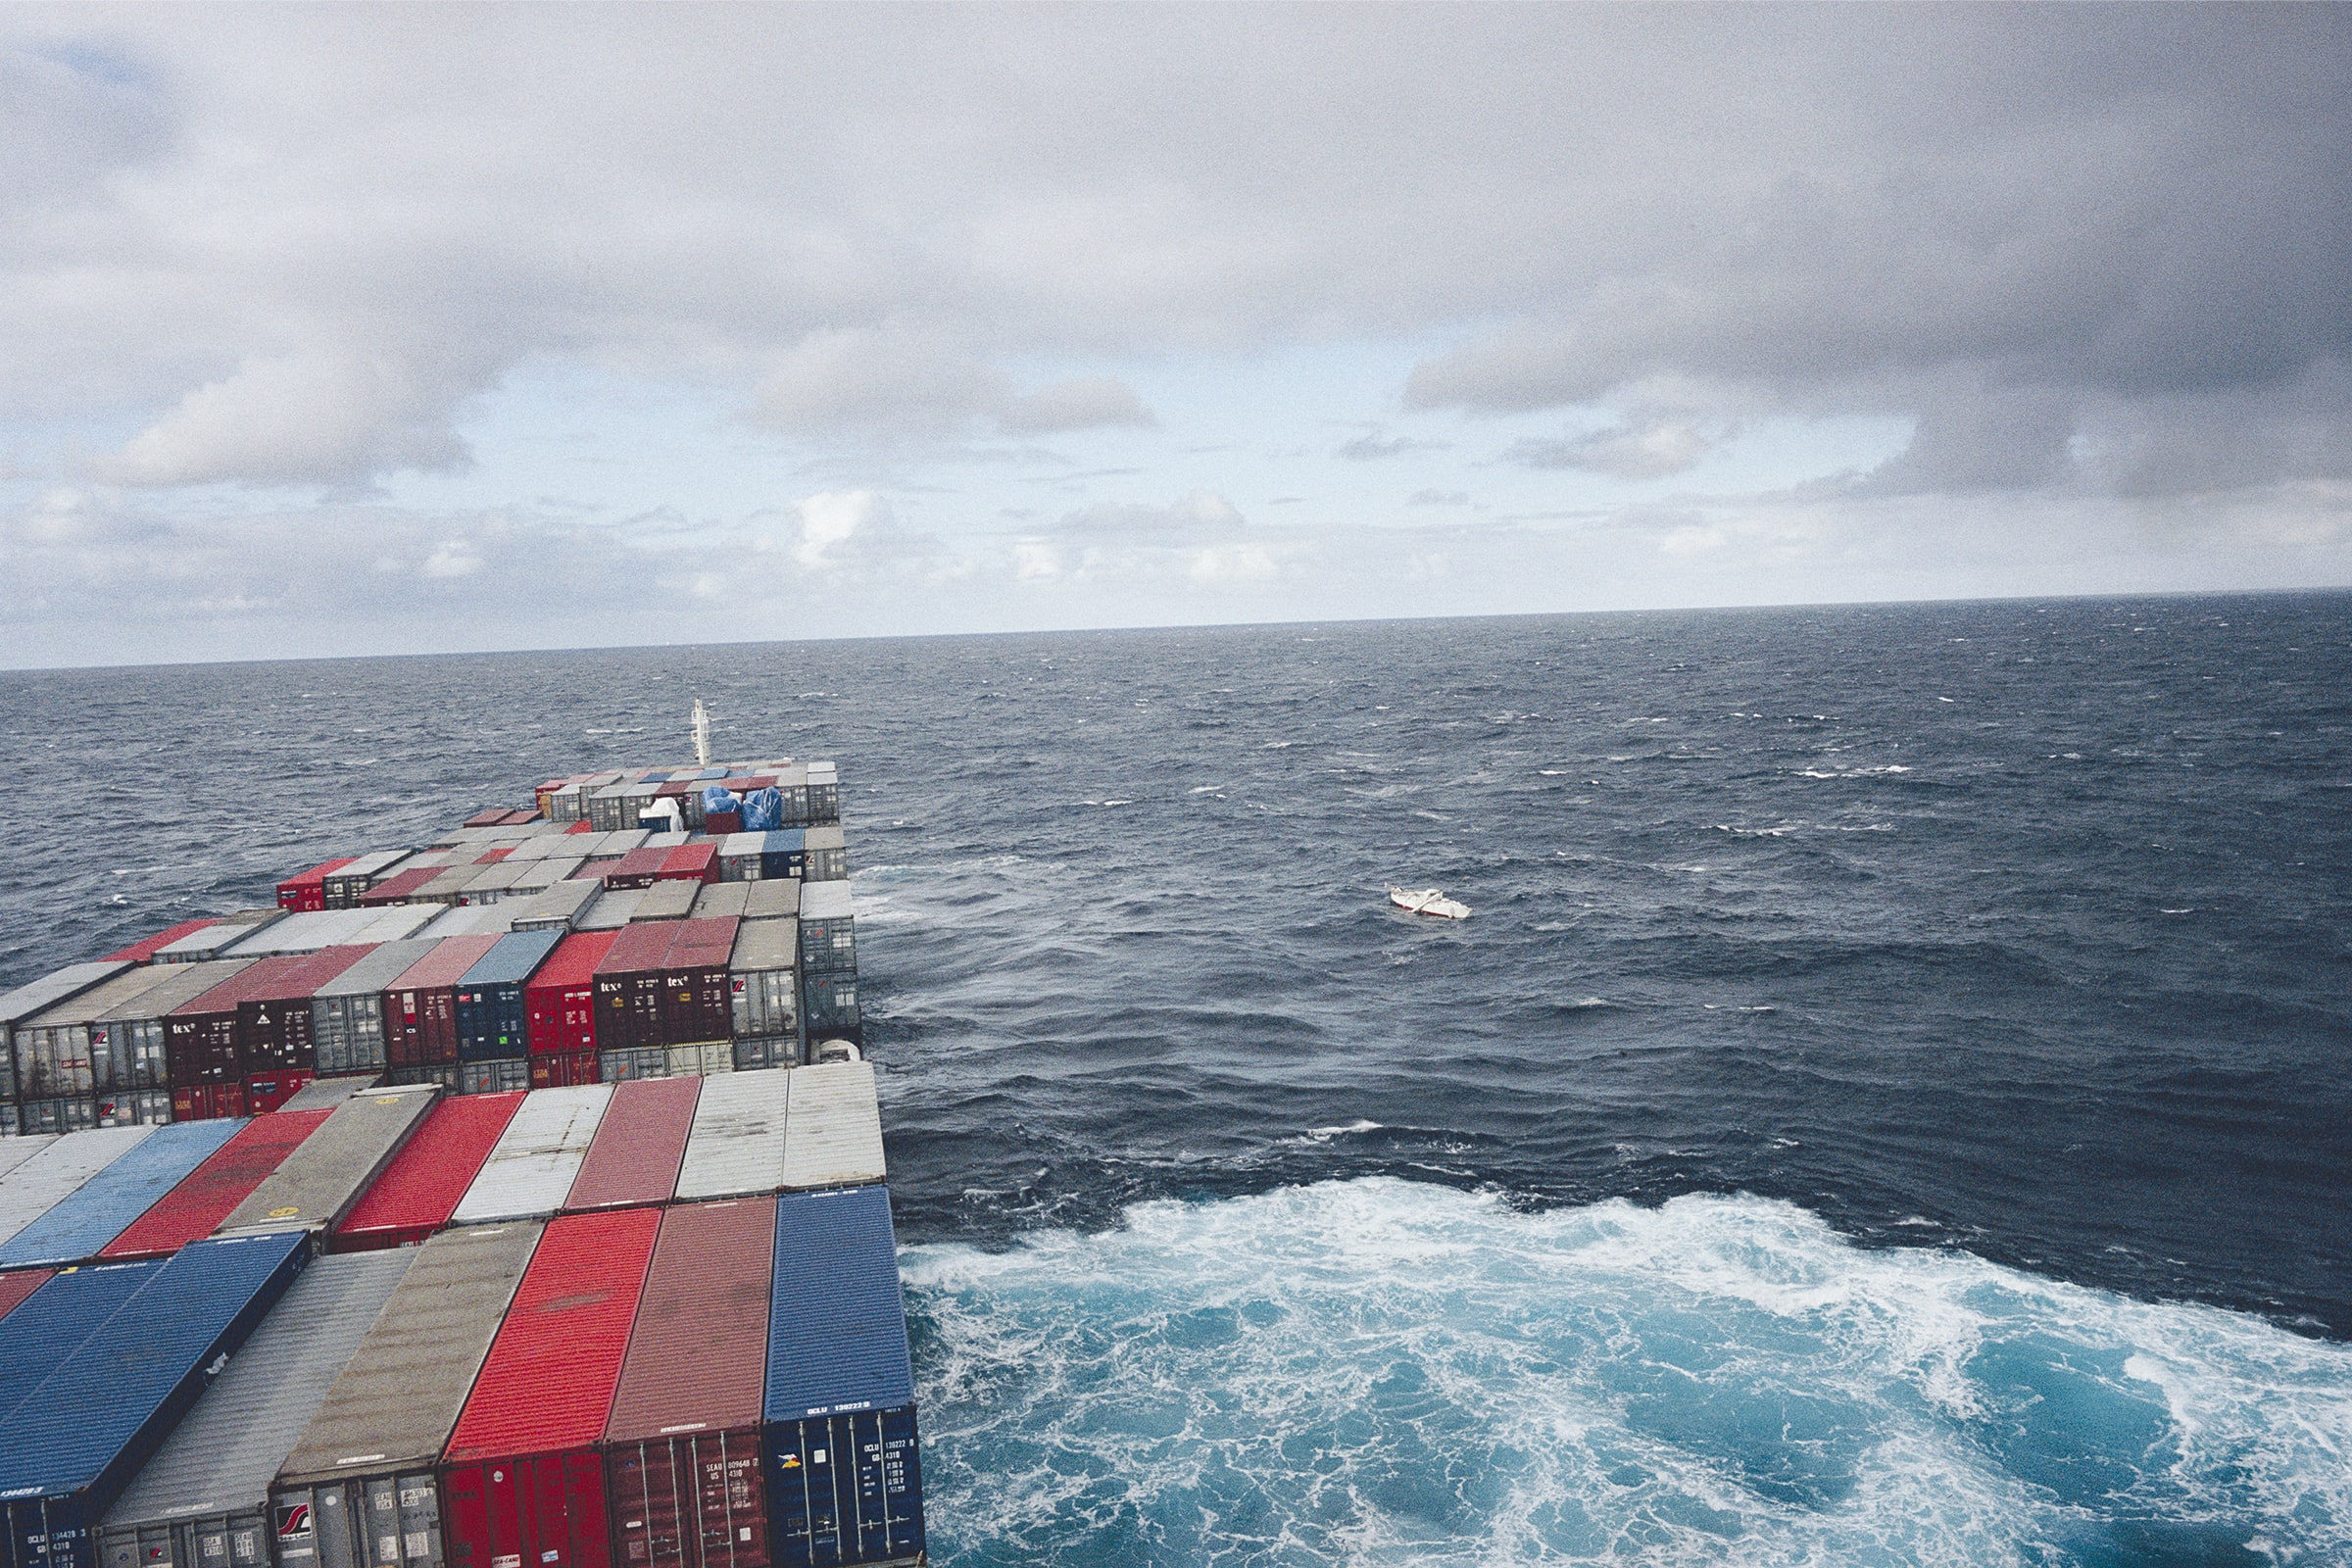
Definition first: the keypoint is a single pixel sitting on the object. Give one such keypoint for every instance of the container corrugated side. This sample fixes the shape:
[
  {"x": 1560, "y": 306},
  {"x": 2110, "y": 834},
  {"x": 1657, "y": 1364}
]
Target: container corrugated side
[
  {"x": 195, "y": 1208},
  {"x": 15, "y": 1287},
  {"x": 634, "y": 1157},
  {"x": 520, "y": 1478},
  {"x": 332, "y": 1169},
  {"x": 52, "y": 1176},
  {"x": 736, "y": 1146},
  {"x": 204, "y": 1499},
  {"x": 833, "y": 1127},
  {"x": 103, "y": 1207},
  {"x": 57, "y": 1318},
  {"x": 681, "y": 1448},
  {"x": 365, "y": 1469},
  {"x": 531, "y": 1168},
  {"x": 15, "y": 1152},
  {"x": 419, "y": 1190},
  {"x": 76, "y": 1440},
  {"x": 844, "y": 1466}
]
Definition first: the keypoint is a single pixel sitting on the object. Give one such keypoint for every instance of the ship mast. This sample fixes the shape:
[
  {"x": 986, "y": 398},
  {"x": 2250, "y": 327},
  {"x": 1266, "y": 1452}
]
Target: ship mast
[{"x": 702, "y": 734}]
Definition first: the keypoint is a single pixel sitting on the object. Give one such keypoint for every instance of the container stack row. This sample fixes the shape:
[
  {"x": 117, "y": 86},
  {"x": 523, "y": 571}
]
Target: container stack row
[
  {"x": 521, "y": 950},
  {"x": 719, "y": 1383}
]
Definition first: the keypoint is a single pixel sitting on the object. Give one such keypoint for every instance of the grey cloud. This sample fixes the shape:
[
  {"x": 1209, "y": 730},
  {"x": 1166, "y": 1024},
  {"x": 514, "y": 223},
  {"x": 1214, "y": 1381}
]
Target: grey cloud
[
  {"x": 1200, "y": 513},
  {"x": 1372, "y": 446},
  {"x": 907, "y": 386},
  {"x": 1438, "y": 498},
  {"x": 1649, "y": 450}
]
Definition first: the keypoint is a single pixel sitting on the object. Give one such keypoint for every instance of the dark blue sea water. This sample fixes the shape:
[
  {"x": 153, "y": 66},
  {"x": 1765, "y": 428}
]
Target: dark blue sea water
[{"x": 1889, "y": 1106}]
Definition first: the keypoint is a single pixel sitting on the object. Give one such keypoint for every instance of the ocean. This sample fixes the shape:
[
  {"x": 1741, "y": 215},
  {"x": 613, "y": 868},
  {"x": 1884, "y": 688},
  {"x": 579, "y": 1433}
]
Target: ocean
[{"x": 1890, "y": 1105}]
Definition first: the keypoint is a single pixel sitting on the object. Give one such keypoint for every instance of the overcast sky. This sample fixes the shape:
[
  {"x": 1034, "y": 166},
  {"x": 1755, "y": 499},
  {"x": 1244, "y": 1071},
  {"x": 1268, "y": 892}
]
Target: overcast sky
[{"x": 369, "y": 329}]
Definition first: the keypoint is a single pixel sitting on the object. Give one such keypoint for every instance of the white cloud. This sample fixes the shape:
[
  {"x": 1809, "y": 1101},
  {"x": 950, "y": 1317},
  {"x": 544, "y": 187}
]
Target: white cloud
[{"x": 831, "y": 523}]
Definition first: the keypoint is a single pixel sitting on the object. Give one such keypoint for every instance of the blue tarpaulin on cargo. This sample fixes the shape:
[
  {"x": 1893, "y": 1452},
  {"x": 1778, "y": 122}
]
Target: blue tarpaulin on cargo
[
  {"x": 716, "y": 799},
  {"x": 77, "y": 1440},
  {"x": 763, "y": 810},
  {"x": 52, "y": 1323},
  {"x": 104, "y": 1207}
]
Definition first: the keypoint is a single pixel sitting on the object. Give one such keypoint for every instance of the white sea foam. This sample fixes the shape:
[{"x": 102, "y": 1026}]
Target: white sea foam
[{"x": 1380, "y": 1372}]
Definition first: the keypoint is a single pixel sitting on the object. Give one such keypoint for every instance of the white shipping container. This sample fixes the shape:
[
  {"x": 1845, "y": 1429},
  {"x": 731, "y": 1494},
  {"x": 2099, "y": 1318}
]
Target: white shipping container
[
  {"x": 833, "y": 1127},
  {"x": 530, "y": 1169},
  {"x": 737, "y": 1144},
  {"x": 57, "y": 1172}
]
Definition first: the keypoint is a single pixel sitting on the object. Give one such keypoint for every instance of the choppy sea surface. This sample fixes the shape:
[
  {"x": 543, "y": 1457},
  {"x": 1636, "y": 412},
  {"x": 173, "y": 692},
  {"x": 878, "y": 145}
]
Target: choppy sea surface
[{"x": 1890, "y": 1104}]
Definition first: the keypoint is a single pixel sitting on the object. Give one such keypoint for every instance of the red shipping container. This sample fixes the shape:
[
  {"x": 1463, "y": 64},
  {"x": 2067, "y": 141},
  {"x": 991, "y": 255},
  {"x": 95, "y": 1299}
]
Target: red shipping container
[
  {"x": 568, "y": 1070},
  {"x": 307, "y": 890},
  {"x": 420, "y": 1007},
  {"x": 419, "y": 1190},
  {"x": 273, "y": 1015},
  {"x": 580, "y": 826},
  {"x": 13, "y": 1288},
  {"x": 690, "y": 863},
  {"x": 202, "y": 1045},
  {"x": 559, "y": 1003},
  {"x": 207, "y": 1102},
  {"x": 141, "y": 952},
  {"x": 395, "y": 888},
  {"x": 718, "y": 824},
  {"x": 633, "y": 1159},
  {"x": 492, "y": 857},
  {"x": 266, "y": 1091},
  {"x": 520, "y": 815},
  {"x": 522, "y": 1481},
  {"x": 496, "y": 813},
  {"x": 203, "y": 1197},
  {"x": 682, "y": 1446},
  {"x": 544, "y": 795},
  {"x": 635, "y": 869}
]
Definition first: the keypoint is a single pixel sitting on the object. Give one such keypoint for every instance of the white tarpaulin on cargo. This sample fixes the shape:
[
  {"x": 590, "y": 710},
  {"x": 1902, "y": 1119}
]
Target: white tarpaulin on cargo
[{"x": 530, "y": 1169}]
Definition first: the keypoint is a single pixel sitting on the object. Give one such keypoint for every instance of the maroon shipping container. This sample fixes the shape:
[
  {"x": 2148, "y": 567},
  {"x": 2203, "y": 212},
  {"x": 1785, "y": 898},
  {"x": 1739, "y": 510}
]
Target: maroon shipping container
[
  {"x": 559, "y": 1003},
  {"x": 565, "y": 1069},
  {"x": 628, "y": 986},
  {"x": 496, "y": 814},
  {"x": 718, "y": 824},
  {"x": 202, "y": 1043},
  {"x": 690, "y": 863},
  {"x": 420, "y": 1007},
  {"x": 639, "y": 1144},
  {"x": 207, "y": 1102},
  {"x": 266, "y": 1091},
  {"x": 522, "y": 1481},
  {"x": 697, "y": 1004},
  {"x": 395, "y": 889},
  {"x": 636, "y": 869},
  {"x": 682, "y": 1446},
  {"x": 274, "y": 1017}
]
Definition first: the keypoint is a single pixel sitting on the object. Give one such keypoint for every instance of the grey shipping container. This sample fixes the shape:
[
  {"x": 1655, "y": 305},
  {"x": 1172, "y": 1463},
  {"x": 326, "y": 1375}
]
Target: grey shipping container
[
  {"x": 611, "y": 912},
  {"x": 558, "y": 908},
  {"x": 828, "y": 929},
  {"x": 325, "y": 1093},
  {"x": 737, "y": 1144},
  {"x": 217, "y": 938},
  {"x": 773, "y": 898},
  {"x": 39, "y": 995},
  {"x": 762, "y": 980},
  {"x": 833, "y": 1127},
  {"x": 716, "y": 901},
  {"x": 828, "y": 856},
  {"x": 344, "y": 885},
  {"x": 779, "y": 1051},
  {"x": 203, "y": 1501},
  {"x": 824, "y": 794},
  {"x": 621, "y": 1065},
  {"x": 347, "y": 1013},
  {"x": 494, "y": 1075},
  {"x": 666, "y": 900},
  {"x": 361, "y": 1488},
  {"x": 60, "y": 1050},
  {"x": 829, "y": 1009},
  {"x": 332, "y": 1168}
]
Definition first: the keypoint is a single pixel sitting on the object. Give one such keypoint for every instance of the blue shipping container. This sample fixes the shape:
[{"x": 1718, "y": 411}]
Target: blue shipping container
[
  {"x": 54, "y": 1321},
  {"x": 104, "y": 1207},
  {"x": 492, "y": 1019},
  {"x": 74, "y": 1441},
  {"x": 785, "y": 853},
  {"x": 845, "y": 1480}
]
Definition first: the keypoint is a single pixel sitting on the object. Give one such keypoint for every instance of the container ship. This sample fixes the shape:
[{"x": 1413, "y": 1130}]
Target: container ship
[{"x": 517, "y": 1198}]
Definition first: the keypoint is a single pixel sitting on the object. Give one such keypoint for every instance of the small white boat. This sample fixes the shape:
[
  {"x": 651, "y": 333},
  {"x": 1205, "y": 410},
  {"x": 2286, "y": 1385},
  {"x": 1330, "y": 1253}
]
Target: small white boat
[{"x": 1429, "y": 900}]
